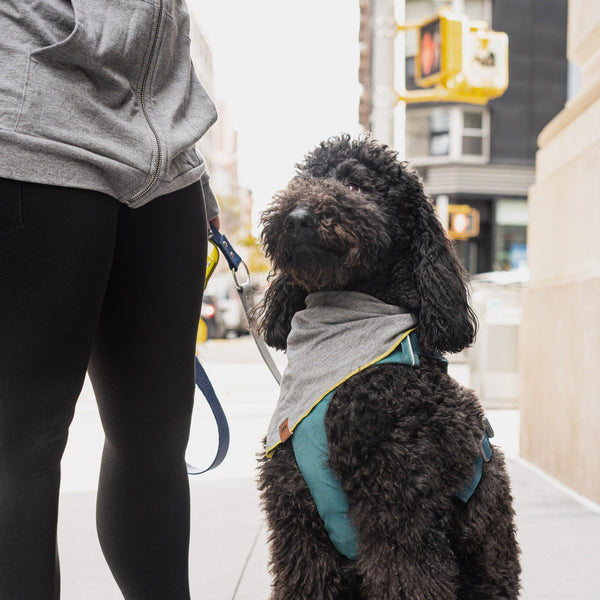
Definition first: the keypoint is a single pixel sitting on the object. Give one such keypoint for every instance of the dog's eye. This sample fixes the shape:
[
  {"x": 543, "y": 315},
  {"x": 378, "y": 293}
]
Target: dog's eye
[{"x": 353, "y": 187}]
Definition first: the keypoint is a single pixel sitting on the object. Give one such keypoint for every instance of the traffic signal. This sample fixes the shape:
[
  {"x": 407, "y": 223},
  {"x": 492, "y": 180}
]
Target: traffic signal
[
  {"x": 458, "y": 60},
  {"x": 430, "y": 49},
  {"x": 463, "y": 221},
  {"x": 439, "y": 50},
  {"x": 485, "y": 58}
]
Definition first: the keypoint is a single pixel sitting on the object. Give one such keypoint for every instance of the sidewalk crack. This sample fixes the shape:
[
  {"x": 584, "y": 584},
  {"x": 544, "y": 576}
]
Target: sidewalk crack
[{"x": 252, "y": 547}]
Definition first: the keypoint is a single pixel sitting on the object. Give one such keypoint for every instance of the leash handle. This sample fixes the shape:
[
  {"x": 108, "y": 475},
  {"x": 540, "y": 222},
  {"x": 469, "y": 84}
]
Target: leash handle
[
  {"x": 233, "y": 258},
  {"x": 212, "y": 260}
]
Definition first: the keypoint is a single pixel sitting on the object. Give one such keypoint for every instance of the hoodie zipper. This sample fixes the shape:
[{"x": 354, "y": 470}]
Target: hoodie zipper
[{"x": 159, "y": 154}]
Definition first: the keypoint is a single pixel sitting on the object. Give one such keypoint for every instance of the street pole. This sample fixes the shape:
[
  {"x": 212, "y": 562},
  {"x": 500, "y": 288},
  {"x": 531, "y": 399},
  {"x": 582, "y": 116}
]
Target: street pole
[
  {"x": 384, "y": 98},
  {"x": 442, "y": 201},
  {"x": 400, "y": 78},
  {"x": 441, "y": 204}
]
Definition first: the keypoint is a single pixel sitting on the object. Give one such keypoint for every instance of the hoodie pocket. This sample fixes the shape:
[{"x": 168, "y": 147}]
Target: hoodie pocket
[
  {"x": 27, "y": 27},
  {"x": 82, "y": 91},
  {"x": 59, "y": 27}
]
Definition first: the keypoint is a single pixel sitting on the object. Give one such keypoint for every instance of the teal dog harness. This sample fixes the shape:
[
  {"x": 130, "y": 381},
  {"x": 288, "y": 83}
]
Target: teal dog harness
[
  {"x": 365, "y": 327},
  {"x": 311, "y": 450}
]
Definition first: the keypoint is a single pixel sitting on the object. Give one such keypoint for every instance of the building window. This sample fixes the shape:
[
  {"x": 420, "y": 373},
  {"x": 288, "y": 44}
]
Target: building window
[
  {"x": 511, "y": 235},
  {"x": 474, "y": 132},
  {"x": 447, "y": 134},
  {"x": 439, "y": 133}
]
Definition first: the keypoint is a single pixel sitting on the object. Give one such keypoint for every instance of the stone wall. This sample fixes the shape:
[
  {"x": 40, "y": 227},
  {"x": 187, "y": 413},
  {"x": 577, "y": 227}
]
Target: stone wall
[{"x": 560, "y": 333}]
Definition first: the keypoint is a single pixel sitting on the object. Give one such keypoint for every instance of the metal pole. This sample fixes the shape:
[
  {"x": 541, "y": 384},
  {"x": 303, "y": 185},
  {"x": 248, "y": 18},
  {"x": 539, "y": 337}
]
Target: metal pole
[
  {"x": 441, "y": 203},
  {"x": 384, "y": 94},
  {"x": 400, "y": 78}
]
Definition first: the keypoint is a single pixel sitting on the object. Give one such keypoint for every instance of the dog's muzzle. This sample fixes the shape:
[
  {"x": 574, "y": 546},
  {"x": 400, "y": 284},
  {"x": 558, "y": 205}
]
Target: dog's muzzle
[{"x": 300, "y": 219}]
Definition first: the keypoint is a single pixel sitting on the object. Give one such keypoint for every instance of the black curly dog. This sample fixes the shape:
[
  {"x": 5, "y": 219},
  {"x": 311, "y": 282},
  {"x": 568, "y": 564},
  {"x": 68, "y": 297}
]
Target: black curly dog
[{"x": 401, "y": 438}]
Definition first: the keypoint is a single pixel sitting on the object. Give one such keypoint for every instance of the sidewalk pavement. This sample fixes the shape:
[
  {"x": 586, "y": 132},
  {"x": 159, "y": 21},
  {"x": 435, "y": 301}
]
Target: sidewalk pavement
[{"x": 559, "y": 532}]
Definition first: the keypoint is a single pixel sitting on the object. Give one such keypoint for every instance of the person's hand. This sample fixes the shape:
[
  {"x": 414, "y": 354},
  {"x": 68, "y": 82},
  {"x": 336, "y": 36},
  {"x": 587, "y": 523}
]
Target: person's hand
[{"x": 216, "y": 222}]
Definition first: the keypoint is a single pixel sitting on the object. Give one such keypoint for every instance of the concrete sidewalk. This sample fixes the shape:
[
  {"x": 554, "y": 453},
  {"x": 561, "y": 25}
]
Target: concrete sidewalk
[
  {"x": 559, "y": 533},
  {"x": 228, "y": 553},
  {"x": 559, "y": 537}
]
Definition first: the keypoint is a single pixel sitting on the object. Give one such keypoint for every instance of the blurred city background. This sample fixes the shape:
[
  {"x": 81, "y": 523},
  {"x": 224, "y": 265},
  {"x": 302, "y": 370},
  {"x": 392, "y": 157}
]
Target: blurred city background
[
  {"x": 516, "y": 180},
  {"x": 288, "y": 74}
]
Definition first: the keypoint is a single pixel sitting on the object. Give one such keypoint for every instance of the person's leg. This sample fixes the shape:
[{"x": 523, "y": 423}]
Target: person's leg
[
  {"x": 56, "y": 248},
  {"x": 142, "y": 370}
]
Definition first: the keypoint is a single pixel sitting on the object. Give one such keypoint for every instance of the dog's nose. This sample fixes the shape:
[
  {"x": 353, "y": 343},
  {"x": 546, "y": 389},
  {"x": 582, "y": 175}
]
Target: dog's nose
[{"x": 300, "y": 218}]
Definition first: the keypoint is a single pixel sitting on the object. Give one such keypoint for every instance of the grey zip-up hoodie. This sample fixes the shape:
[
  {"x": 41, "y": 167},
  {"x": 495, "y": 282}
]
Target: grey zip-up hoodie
[{"x": 102, "y": 95}]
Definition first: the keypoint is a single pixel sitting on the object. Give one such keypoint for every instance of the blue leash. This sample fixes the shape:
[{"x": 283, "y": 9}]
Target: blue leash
[
  {"x": 203, "y": 382},
  {"x": 244, "y": 289},
  {"x": 205, "y": 386},
  {"x": 224, "y": 245}
]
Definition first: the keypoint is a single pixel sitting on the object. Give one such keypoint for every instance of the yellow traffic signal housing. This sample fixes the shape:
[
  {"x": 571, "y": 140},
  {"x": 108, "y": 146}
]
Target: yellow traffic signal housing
[
  {"x": 458, "y": 61},
  {"x": 463, "y": 221},
  {"x": 439, "y": 49},
  {"x": 485, "y": 63}
]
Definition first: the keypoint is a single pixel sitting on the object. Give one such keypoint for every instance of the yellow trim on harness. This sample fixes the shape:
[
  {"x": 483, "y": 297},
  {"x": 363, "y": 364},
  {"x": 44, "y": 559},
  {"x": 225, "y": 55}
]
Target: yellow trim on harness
[{"x": 270, "y": 450}]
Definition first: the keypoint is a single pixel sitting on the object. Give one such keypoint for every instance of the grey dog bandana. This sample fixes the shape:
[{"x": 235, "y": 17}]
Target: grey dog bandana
[{"x": 336, "y": 336}]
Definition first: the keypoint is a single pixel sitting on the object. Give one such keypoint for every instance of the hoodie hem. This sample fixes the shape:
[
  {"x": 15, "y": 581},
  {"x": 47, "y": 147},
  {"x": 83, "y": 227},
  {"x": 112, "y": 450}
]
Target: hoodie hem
[{"x": 37, "y": 160}]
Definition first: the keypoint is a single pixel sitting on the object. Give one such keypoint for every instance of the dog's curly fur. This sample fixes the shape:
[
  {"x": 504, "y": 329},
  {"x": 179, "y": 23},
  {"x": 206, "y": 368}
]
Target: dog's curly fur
[{"x": 402, "y": 440}]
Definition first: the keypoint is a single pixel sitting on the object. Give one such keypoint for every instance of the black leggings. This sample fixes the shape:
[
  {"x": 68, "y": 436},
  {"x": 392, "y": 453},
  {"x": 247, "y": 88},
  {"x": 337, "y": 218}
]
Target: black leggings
[{"x": 86, "y": 279}]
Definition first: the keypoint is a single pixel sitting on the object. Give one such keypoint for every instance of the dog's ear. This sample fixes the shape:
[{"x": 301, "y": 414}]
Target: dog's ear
[
  {"x": 447, "y": 323},
  {"x": 274, "y": 314}
]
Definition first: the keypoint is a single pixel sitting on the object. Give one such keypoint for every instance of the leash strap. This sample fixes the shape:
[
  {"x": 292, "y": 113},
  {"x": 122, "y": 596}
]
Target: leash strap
[
  {"x": 205, "y": 386},
  {"x": 202, "y": 381},
  {"x": 233, "y": 258},
  {"x": 245, "y": 292}
]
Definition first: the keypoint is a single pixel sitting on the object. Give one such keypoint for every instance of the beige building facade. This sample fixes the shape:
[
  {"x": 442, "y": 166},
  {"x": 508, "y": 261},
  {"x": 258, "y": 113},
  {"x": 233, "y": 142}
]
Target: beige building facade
[{"x": 560, "y": 333}]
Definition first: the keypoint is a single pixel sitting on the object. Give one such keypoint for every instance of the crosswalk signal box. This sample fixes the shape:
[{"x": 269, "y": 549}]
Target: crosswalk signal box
[
  {"x": 458, "y": 60},
  {"x": 439, "y": 50},
  {"x": 463, "y": 221}
]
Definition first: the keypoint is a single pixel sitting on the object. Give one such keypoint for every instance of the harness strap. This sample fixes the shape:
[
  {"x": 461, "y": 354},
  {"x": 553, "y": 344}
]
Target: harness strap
[
  {"x": 485, "y": 455},
  {"x": 311, "y": 449}
]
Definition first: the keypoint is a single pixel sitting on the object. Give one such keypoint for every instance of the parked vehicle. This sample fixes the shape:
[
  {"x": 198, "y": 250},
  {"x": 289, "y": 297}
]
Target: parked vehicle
[
  {"x": 224, "y": 296},
  {"x": 212, "y": 316}
]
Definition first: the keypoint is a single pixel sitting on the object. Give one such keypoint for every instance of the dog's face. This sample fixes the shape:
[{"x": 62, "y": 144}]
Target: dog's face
[
  {"x": 355, "y": 218},
  {"x": 326, "y": 232}
]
